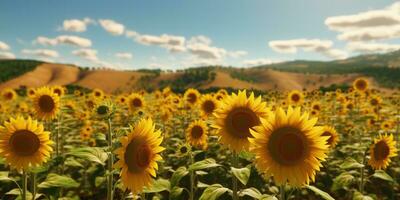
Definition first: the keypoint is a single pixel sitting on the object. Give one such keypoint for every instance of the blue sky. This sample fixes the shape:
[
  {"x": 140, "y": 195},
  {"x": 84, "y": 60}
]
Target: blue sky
[{"x": 178, "y": 34}]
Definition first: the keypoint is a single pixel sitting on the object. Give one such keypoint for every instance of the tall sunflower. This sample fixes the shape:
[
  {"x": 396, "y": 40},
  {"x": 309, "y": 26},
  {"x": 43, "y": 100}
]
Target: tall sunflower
[
  {"x": 295, "y": 97},
  {"x": 58, "y": 90},
  {"x": 9, "y": 94},
  {"x": 139, "y": 154},
  {"x": 135, "y": 102},
  {"x": 196, "y": 134},
  {"x": 24, "y": 143},
  {"x": 235, "y": 116},
  {"x": 208, "y": 104},
  {"x": 289, "y": 147},
  {"x": 191, "y": 96},
  {"x": 332, "y": 134},
  {"x": 360, "y": 84},
  {"x": 383, "y": 148},
  {"x": 46, "y": 103}
]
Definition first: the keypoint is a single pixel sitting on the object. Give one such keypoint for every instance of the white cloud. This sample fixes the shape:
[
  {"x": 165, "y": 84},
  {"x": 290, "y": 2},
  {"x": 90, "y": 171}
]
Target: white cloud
[
  {"x": 363, "y": 47},
  {"x": 206, "y": 52},
  {"x": 4, "y": 46},
  {"x": 88, "y": 54},
  {"x": 74, "y": 40},
  {"x": 260, "y": 61},
  {"x": 171, "y": 42},
  {"x": 237, "y": 54},
  {"x": 156, "y": 65},
  {"x": 64, "y": 39},
  {"x": 7, "y": 55},
  {"x": 200, "y": 39},
  {"x": 370, "y": 34},
  {"x": 372, "y": 25},
  {"x": 76, "y": 25},
  {"x": 46, "y": 53},
  {"x": 124, "y": 55},
  {"x": 363, "y": 20},
  {"x": 323, "y": 47},
  {"x": 291, "y": 46},
  {"x": 112, "y": 27}
]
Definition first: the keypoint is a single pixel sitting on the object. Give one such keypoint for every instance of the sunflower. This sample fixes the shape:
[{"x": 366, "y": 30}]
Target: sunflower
[
  {"x": 383, "y": 148},
  {"x": 289, "y": 147},
  {"x": 138, "y": 155},
  {"x": 46, "y": 103},
  {"x": 196, "y": 134},
  {"x": 208, "y": 105},
  {"x": 235, "y": 116},
  {"x": 122, "y": 99},
  {"x": 24, "y": 143},
  {"x": 375, "y": 100},
  {"x": 9, "y": 94},
  {"x": 135, "y": 102},
  {"x": 332, "y": 134},
  {"x": 386, "y": 125},
  {"x": 58, "y": 90},
  {"x": 295, "y": 97},
  {"x": 316, "y": 106},
  {"x": 165, "y": 115},
  {"x": 86, "y": 132},
  {"x": 97, "y": 93},
  {"x": 30, "y": 92},
  {"x": 360, "y": 84},
  {"x": 191, "y": 96}
]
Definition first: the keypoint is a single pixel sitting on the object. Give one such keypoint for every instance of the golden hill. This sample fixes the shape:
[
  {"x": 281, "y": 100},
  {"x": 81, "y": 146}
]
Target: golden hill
[{"x": 113, "y": 81}]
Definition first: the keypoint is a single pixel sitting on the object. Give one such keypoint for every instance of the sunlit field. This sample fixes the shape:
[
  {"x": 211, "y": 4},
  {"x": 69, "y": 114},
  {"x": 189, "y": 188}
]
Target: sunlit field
[{"x": 81, "y": 144}]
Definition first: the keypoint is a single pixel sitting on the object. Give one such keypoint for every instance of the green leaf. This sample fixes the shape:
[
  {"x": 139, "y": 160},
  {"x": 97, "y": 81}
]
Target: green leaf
[
  {"x": 55, "y": 181},
  {"x": 213, "y": 192},
  {"x": 73, "y": 163},
  {"x": 158, "y": 185},
  {"x": 94, "y": 154},
  {"x": 4, "y": 176},
  {"x": 201, "y": 184},
  {"x": 350, "y": 163},
  {"x": 176, "y": 192},
  {"x": 99, "y": 181},
  {"x": 204, "y": 164},
  {"x": 243, "y": 174},
  {"x": 343, "y": 180},
  {"x": 252, "y": 192},
  {"x": 358, "y": 196},
  {"x": 382, "y": 175},
  {"x": 319, "y": 192},
  {"x": 178, "y": 175},
  {"x": 17, "y": 192}
]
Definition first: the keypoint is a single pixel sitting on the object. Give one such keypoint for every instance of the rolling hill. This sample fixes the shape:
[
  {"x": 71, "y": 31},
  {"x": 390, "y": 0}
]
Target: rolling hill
[{"x": 383, "y": 70}]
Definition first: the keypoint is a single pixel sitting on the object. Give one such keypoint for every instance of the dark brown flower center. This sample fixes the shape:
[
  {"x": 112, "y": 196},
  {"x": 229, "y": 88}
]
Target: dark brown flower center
[
  {"x": 208, "y": 107},
  {"x": 136, "y": 102},
  {"x": 192, "y": 98},
  {"x": 240, "y": 120},
  {"x": 287, "y": 146},
  {"x": 46, "y": 103},
  {"x": 24, "y": 143},
  {"x": 381, "y": 150},
  {"x": 197, "y": 132},
  {"x": 137, "y": 155}
]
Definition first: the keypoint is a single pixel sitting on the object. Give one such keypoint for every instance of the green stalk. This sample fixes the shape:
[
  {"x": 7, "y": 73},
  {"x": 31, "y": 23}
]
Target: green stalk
[
  {"x": 234, "y": 179},
  {"x": 33, "y": 185},
  {"x": 361, "y": 188},
  {"x": 110, "y": 163},
  {"x": 24, "y": 184},
  {"x": 192, "y": 177},
  {"x": 282, "y": 191}
]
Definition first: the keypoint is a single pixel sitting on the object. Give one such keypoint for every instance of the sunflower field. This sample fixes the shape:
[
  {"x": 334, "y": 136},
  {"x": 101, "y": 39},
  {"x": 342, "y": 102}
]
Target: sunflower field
[{"x": 78, "y": 144}]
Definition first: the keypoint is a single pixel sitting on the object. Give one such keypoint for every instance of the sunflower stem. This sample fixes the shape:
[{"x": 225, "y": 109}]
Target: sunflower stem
[
  {"x": 191, "y": 176},
  {"x": 362, "y": 172},
  {"x": 33, "y": 185},
  {"x": 24, "y": 184},
  {"x": 143, "y": 196},
  {"x": 110, "y": 163},
  {"x": 234, "y": 179},
  {"x": 282, "y": 192}
]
